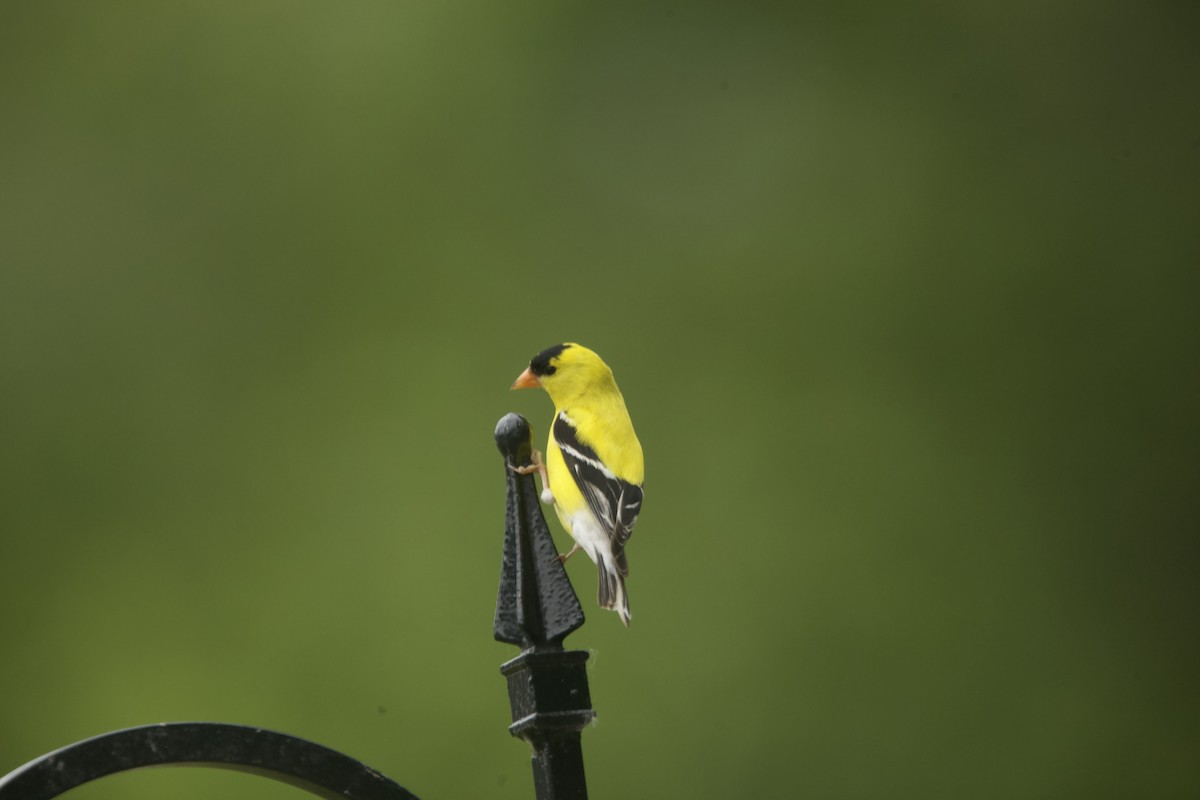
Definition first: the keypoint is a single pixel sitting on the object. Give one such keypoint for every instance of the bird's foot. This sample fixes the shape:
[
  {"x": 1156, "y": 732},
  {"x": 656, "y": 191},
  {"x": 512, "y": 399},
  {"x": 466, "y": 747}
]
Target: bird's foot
[
  {"x": 562, "y": 557},
  {"x": 535, "y": 465},
  {"x": 539, "y": 467}
]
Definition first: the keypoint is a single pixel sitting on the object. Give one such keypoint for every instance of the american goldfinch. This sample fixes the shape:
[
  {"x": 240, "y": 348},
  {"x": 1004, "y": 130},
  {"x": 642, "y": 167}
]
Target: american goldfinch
[{"x": 593, "y": 471}]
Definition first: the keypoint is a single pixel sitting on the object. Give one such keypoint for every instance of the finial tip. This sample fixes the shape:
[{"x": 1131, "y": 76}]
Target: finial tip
[{"x": 513, "y": 433}]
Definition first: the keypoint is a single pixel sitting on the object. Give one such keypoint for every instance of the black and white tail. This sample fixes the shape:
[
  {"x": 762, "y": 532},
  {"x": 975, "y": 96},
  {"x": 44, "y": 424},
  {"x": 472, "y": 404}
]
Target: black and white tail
[{"x": 611, "y": 593}]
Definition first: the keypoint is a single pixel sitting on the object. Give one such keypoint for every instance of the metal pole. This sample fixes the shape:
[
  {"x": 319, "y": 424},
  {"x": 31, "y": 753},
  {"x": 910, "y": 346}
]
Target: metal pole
[{"x": 535, "y": 609}]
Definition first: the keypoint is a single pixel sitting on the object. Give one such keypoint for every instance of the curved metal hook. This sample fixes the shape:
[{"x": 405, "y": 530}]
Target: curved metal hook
[{"x": 316, "y": 769}]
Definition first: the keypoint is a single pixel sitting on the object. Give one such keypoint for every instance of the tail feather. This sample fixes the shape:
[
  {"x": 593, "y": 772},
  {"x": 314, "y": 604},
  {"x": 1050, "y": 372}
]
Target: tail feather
[{"x": 611, "y": 591}]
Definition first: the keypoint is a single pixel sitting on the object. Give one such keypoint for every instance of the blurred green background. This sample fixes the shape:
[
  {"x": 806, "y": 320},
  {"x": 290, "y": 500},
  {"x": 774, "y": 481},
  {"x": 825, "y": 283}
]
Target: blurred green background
[{"x": 903, "y": 300}]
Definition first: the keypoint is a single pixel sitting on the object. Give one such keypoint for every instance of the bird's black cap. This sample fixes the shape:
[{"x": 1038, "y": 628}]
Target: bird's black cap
[{"x": 540, "y": 365}]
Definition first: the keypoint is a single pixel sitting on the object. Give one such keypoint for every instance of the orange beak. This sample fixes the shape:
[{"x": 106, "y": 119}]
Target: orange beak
[{"x": 526, "y": 380}]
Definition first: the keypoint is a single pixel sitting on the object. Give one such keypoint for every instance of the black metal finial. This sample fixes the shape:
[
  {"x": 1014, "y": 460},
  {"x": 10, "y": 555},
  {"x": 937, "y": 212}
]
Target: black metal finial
[
  {"x": 514, "y": 437},
  {"x": 535, "y": 609},
  {"x": 536, "y": 606}
]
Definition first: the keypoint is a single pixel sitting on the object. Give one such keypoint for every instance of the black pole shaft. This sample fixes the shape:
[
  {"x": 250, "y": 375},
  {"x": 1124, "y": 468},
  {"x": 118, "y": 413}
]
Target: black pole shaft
[
  {"x": 535, "y": 609},
  {"x": 551, "y": 779},
  {"x": 550, "y": 703}
]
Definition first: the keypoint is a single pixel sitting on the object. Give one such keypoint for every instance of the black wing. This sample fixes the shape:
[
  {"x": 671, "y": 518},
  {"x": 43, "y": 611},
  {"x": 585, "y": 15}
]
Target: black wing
[{"x": 614, "y": 502}]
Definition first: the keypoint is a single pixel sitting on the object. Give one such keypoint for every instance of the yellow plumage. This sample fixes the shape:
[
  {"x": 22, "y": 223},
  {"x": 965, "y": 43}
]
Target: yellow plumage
[{"x": 594, "y": 467}]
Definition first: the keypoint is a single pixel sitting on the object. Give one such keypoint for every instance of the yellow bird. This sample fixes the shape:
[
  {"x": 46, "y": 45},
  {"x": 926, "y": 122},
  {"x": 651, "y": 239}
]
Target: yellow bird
[{"x": 593, "y": 472}]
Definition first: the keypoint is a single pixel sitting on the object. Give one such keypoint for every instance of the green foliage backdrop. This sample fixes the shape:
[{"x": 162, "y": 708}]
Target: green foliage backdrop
[{"x": 903, "y": 301}]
